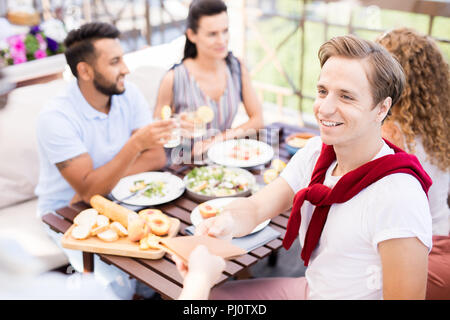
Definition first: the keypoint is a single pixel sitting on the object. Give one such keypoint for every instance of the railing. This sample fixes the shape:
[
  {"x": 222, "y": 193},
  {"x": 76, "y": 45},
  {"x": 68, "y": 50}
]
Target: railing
[
  {"x": 138, "y": 19},
  {"x": 252, "y": 14},
  {"x": 135, "y": 18}
]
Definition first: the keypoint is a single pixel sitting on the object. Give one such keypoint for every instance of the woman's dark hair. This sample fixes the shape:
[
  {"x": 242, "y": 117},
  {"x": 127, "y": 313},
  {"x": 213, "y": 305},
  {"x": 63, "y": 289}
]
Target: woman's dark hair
[
  {"x": 198, "y": 9},
  {"x": 79, "y": 42}
]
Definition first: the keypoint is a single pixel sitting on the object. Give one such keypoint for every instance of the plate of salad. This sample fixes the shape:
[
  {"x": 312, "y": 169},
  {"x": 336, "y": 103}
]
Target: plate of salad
[
  {"x": 215, "y": 181},
  {"x": 148, "y": 188}
]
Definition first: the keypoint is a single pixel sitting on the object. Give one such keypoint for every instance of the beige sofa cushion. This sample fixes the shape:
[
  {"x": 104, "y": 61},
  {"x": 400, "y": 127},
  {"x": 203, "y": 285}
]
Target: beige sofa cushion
[
  {"x": 19, "y": 222},
  {"x": 19, "y": 164},
  {"x": 147, "y": 79}
]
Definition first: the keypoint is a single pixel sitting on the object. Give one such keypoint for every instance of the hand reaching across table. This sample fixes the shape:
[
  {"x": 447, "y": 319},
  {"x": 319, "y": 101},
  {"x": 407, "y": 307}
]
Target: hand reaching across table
[{"x": 202, "y": 271}]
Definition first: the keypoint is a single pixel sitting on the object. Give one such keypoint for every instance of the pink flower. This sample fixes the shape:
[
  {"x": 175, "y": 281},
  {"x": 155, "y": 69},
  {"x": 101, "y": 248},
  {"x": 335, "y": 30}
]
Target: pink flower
[
  {"x": 39, "y": 54},
  {"x": 19, "y": 58},
  {"x": 41, "y": 41},
  {"x": 17, "y": 44}
]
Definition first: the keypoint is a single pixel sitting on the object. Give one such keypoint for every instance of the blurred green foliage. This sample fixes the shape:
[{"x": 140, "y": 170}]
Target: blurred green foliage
[{"x": 275, "y": 29}]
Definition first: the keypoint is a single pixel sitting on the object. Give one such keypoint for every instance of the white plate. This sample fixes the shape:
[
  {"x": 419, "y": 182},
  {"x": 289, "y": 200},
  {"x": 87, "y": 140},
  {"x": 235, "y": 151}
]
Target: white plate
[
  {"x": 196, "y": 217},
  {"x": 174, "y": 187},
  {"x": 221, "y": 153}
]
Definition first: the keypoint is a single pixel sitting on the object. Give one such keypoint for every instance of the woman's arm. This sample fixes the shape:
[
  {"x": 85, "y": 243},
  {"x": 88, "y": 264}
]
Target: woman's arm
[{"x": 404, "y": 265}]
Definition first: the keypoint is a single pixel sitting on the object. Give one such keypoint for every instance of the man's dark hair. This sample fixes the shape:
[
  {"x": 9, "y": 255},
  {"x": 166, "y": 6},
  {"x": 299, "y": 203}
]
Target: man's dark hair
[{"x": 79, "y": 43}]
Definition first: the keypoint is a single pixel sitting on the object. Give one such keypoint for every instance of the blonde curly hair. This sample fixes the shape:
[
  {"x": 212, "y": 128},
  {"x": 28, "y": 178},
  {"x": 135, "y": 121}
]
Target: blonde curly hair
[{"x": 423, "y": 108}]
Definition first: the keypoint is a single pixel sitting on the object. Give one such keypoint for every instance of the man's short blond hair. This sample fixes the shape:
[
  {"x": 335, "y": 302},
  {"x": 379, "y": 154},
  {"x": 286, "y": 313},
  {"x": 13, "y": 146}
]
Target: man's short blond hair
[{"x": 386, "y": 76}]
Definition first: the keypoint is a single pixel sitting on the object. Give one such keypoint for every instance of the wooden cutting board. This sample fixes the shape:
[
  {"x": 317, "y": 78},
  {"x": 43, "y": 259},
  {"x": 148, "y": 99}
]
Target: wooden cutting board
[{"x": 121, "y": 247}]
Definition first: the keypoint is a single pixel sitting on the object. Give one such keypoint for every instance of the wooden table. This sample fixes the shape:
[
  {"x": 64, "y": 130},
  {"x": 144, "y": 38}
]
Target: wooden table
[{"x": 162, "y": 274}]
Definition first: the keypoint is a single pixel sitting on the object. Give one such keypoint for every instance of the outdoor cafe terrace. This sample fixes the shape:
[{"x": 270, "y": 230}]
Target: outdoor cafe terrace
[{"x": 277, "y": 40}]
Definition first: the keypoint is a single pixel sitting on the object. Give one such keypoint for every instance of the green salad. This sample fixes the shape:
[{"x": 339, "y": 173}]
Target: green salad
[
  {"x": 216, "y": 181},
  {"x": 151, "y": 189}
]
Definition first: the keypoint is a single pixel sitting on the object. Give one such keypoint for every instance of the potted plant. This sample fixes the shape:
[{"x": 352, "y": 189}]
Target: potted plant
[{"x": 36, "y": 53}]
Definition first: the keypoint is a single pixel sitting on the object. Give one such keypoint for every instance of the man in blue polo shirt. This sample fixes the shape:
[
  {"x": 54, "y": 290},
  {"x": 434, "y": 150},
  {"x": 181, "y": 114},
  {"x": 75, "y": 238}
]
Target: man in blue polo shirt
[{"x": 99, "y": 130}]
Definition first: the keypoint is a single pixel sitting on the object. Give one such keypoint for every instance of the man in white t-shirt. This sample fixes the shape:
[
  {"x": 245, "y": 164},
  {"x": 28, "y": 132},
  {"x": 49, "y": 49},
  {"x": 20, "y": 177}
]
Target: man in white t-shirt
[{"x": 371, "y": 234}]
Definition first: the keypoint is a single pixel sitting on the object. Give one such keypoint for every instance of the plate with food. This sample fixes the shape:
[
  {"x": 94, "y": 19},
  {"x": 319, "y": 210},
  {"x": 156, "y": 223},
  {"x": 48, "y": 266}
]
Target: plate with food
[
  {"x": 216, "y": 181},
  {"x": 148, "y": 188},
  {"x": 242, "y": 153},
  {"x": 297, "y": 140},
  {"x": 212, "y": 208}
]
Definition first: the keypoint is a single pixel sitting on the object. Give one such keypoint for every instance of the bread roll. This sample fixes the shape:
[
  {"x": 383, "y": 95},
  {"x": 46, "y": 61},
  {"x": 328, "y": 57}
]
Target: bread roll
[{"x": 112, "y": 210}]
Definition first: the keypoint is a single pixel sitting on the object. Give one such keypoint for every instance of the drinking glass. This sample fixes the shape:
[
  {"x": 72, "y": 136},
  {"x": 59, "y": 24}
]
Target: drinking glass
[
  {"x": 175, "y": 135},
  {"x": 199, "y": 127}
]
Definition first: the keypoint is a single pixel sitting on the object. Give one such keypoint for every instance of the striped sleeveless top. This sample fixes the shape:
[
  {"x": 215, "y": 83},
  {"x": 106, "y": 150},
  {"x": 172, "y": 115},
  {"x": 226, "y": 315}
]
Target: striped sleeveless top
[{"x": 187, "y": 93}]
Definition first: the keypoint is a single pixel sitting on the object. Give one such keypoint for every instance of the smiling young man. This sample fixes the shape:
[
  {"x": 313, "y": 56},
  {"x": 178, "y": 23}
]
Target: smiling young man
[
  {"x": 99, "y": 130},
  {"x": 359, "y": 204}
]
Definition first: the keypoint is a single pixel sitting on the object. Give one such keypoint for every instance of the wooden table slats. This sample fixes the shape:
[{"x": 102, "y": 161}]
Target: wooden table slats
[
  {"x": 280, "y": 221},
  {"x": 56, "y": 223},
  {"x": 67, "y": 213},
  {"x": 162, "y": 285}
]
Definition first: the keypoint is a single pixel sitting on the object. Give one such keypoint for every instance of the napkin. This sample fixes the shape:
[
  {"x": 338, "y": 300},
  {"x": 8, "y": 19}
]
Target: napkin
[
  {"x": 251, "y": 241},
  {"x": 183, "y": 246}
]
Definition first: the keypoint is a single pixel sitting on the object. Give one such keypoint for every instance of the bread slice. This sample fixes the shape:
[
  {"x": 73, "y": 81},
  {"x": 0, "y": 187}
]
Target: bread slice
[
  {"x": 109, "y": 235},
  {"x": 102, "y": 220},
  {"x": 81, "y": 232},
  {"x": 95, "y": 231},
  {"x": 119, "y": 228},
  {"x": 86, "y": 217}
]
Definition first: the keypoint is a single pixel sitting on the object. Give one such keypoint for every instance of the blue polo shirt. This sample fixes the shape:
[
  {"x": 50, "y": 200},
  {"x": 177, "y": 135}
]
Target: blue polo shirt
[{"x": 68, "y": 126}]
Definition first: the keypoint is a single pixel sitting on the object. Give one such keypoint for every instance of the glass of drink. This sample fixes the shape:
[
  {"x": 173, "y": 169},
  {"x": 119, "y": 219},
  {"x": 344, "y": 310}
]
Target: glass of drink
[
  {"x": 199, "y": 126},
  {"x": 175, "y": 135}
]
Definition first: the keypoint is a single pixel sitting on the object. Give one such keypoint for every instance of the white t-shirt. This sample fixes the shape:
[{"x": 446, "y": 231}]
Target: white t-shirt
[
  {"x": 438, "y": 193},
  {"x": 346, "y": 263}
]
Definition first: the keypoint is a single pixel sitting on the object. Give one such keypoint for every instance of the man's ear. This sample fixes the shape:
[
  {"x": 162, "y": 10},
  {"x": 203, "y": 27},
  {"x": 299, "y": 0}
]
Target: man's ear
[
  {"x": 85, "y": 71},
  {"x": 385, "y": 106}
]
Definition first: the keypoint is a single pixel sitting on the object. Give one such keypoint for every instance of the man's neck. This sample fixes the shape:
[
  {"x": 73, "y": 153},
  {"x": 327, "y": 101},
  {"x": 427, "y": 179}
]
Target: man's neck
[
  {"x": 352, "y": 156},
  {"x": 96, "y": 99}
]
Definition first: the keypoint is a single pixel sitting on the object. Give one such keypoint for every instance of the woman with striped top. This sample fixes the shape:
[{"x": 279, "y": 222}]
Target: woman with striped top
[{"x": 210, "y": 75}]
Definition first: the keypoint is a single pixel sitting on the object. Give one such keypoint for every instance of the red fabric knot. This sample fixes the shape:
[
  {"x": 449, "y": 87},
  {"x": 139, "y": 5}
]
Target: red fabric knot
[
  {"x": 317, "y": 194},
  {"x": 346, "y": 188}
]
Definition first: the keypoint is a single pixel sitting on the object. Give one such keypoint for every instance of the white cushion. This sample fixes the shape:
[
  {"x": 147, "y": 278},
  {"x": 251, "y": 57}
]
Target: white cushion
[
  {"x": 21, "y": 224},
  {"x": 147, "y": 79},
  {"x": 19, "y": 164}
]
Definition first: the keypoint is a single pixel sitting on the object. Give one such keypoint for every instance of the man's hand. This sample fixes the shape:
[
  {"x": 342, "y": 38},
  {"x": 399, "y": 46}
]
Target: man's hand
[
  {"x": 220, "y": 226},
  {"x": 154, "y": 134}
]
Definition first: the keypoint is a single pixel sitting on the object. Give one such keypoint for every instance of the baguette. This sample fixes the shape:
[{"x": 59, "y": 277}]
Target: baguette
[{"x": 112, "y": 210}]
